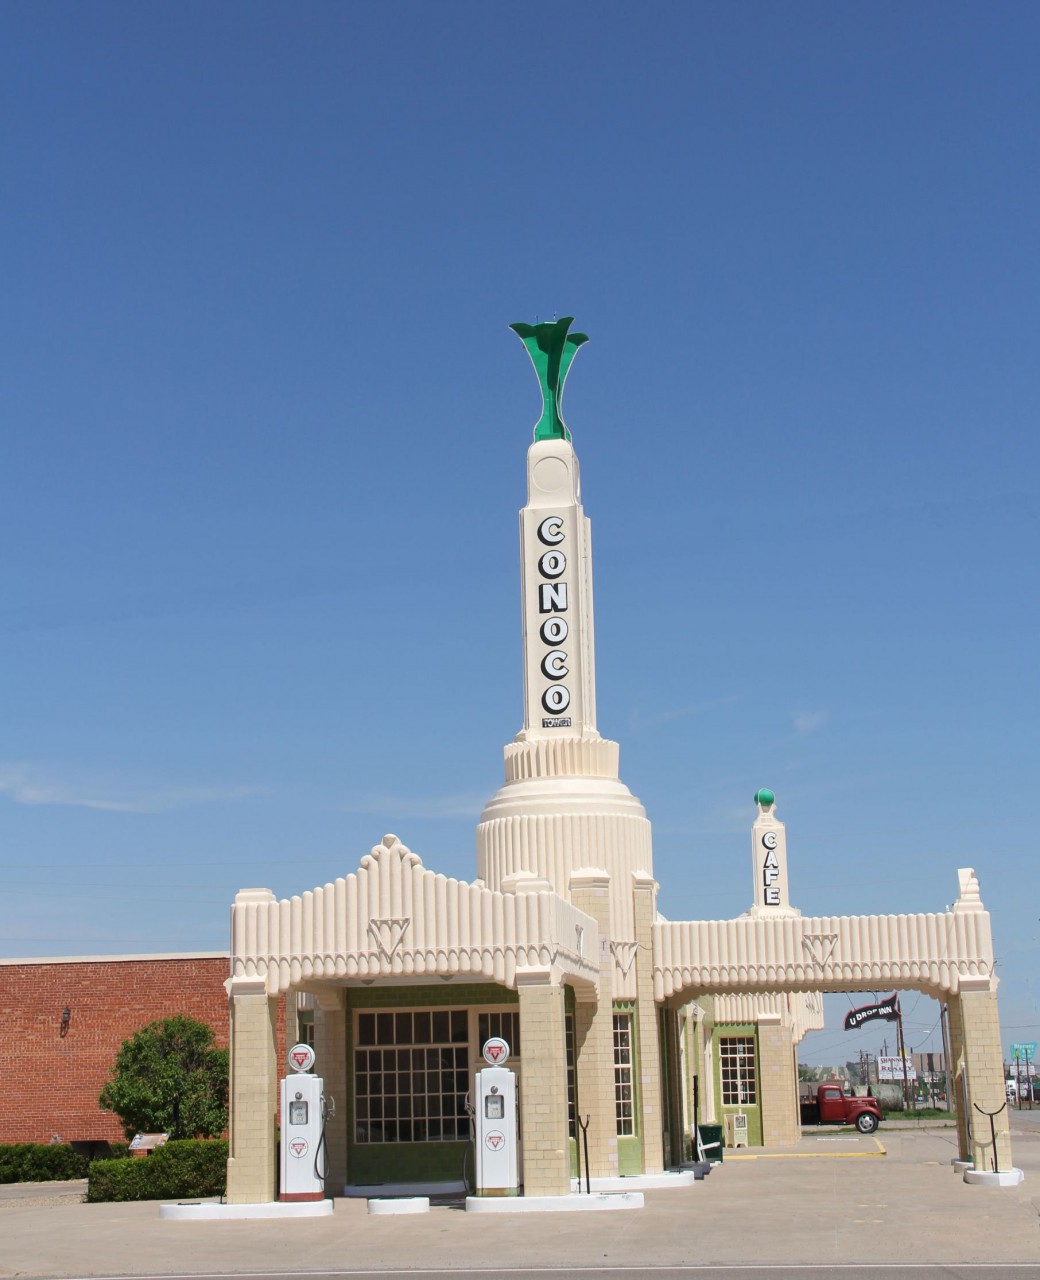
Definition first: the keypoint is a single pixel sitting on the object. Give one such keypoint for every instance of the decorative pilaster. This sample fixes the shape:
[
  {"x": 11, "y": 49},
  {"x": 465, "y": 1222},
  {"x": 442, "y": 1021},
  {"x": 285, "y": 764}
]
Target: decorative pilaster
[
  {"x": 594, "y": 1030},
  {"x": 651, "y": 1121}
]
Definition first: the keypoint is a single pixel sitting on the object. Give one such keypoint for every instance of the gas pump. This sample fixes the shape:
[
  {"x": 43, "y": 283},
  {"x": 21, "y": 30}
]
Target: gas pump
[
  {"x": 304, "y": 1158},
  {"x": 496, "y": 1162}
]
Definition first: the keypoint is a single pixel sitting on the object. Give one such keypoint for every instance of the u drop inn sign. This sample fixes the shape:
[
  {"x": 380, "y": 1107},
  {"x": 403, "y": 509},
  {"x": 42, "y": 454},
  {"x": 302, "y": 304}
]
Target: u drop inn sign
[{"x": 887, "y": 1010}]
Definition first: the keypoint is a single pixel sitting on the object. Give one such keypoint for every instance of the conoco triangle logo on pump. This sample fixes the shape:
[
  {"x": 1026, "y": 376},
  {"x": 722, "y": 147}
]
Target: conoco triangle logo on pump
[
  {"x": 301, "y": 1057},
  {"x": 496, "y": 1051}
]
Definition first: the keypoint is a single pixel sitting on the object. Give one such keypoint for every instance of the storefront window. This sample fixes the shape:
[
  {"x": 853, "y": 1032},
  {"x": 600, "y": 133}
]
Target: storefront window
[
  {"x": 411, "y": 1076},
  {"x": 737, "y": 1070}
]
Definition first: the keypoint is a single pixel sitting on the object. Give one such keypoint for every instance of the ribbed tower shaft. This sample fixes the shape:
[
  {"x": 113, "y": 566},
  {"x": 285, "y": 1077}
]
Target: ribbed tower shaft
[{"x": 563, "y": 806}]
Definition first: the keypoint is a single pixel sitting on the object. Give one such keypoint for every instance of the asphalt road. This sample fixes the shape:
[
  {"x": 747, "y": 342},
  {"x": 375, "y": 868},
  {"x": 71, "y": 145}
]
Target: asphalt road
[{"x": 860, "y": 1271}]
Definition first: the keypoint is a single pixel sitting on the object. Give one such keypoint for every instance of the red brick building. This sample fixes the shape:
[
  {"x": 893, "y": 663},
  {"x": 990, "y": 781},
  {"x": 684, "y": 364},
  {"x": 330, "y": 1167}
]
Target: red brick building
[{"x": 65, "y": 1062}]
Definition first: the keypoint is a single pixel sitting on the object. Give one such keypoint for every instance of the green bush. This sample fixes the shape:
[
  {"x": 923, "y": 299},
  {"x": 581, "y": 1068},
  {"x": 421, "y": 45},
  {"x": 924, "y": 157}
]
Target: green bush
[
  {"x": 40, "y": 1162},
  {"x": 187, "y": 1168},
  {"x": 170, "y": 1077}
]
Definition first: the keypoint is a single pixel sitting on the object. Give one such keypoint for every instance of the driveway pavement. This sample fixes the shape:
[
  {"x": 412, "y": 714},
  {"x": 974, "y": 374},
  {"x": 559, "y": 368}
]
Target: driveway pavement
[{"x": 832, "y": 1198}]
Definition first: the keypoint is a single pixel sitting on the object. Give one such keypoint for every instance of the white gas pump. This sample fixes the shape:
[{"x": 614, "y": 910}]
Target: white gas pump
[
  {"x": 496, "y": 1163},
  {"x": 303, "y": 1157}
]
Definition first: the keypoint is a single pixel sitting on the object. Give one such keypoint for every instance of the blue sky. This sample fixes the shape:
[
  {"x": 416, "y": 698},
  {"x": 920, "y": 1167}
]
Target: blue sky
[{"x": 266, "y": 427}]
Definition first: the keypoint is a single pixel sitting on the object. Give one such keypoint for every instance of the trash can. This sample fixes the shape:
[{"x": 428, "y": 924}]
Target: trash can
[{"x": 710, "y": 1142}]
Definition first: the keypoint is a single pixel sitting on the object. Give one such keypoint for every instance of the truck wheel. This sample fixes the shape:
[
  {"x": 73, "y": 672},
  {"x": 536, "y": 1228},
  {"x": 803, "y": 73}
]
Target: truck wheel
[{"x": 866, "y": 1122}]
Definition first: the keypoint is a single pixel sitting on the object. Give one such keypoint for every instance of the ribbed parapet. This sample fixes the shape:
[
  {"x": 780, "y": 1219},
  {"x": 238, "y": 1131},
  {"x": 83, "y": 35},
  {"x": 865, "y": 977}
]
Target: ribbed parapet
[
  {"x": 560, "y": 757},
  {"x": 394, "y": 919},
  {"x": 935, "y": 953}
]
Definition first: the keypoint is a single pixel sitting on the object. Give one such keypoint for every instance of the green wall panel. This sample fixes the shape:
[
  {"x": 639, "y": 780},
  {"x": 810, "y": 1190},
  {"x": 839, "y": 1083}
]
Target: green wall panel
[{"x": 753, "y": 1113}]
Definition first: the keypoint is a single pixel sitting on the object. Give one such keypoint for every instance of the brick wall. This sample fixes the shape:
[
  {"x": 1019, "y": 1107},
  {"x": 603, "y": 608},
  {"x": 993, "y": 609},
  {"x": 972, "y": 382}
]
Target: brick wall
[{"x": 59, "y": 1077}]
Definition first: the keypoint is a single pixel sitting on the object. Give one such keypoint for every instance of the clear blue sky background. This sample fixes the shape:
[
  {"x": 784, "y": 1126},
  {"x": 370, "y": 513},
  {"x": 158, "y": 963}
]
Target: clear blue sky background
[{"x": 265, "y": 431}]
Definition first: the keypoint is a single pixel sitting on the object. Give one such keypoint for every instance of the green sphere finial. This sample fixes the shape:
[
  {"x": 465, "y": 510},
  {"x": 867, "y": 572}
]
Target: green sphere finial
[
  {"x": 765, "y": 797},
  {"x": 551, "y": 350}
]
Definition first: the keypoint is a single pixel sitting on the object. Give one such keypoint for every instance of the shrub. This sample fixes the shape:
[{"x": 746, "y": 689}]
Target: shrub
[
  {"x": 40, "y": 1162},
  {"x": 170, "y": 1078},
  {"x": 187, "y": 1168}
]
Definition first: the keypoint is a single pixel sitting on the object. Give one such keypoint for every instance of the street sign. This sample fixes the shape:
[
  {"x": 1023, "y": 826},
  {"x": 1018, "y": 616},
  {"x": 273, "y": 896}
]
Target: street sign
[
  {"x": 891, "y": 1068},
  {"x": 1023, "y": 1050}
]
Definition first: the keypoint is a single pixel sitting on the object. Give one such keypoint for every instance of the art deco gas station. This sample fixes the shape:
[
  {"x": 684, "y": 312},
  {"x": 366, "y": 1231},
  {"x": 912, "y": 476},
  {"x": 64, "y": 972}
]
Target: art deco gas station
[{"x": 557, "y": 950}]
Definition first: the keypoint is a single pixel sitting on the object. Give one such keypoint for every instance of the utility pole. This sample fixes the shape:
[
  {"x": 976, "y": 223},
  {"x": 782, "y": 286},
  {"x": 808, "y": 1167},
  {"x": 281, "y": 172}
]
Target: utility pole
[
  {"x": 944, "y": 1015},
  {"x": 901, "y": 1045}
]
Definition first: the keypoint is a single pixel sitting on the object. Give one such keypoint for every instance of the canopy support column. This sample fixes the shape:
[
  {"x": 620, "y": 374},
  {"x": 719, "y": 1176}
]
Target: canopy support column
[{"x": 252, "y": 1164}]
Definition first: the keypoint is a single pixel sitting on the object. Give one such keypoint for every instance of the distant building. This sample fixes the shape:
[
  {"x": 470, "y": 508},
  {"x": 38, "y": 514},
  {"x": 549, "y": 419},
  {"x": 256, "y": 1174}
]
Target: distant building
[{"x": 64, "y": 1020}]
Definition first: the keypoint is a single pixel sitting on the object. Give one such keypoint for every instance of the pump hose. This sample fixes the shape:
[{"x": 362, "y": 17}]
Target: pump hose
[
  {"x": 322, "y": 1145},
  {"x": 467, "y": 1151}
]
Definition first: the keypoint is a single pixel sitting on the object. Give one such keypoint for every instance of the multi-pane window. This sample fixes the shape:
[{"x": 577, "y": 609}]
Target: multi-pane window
[
  {"x": 572, "y": 1087},
  {"x": 411, "y": 1076},
  {"x": 506, "y": 1026},
  {"x": 624, "y": 1103},
  {"x": 737, "y": 1071}
]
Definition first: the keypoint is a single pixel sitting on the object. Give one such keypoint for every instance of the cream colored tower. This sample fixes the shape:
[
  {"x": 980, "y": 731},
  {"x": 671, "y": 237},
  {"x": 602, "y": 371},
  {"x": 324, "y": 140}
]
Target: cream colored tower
[
  {"x": 563, "y": 807},
  {"x": 769, "y": 860}
]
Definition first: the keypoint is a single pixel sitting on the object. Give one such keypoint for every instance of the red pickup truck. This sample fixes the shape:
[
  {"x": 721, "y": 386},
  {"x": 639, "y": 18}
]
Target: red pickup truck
[{"x": 832, "y": 1105}]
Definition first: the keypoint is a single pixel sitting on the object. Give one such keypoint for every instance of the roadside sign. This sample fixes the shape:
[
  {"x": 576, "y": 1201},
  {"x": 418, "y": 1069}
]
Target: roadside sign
[
  {"x": 891, "y": 1068},
  {"x": 1023, "y": 1050}
]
